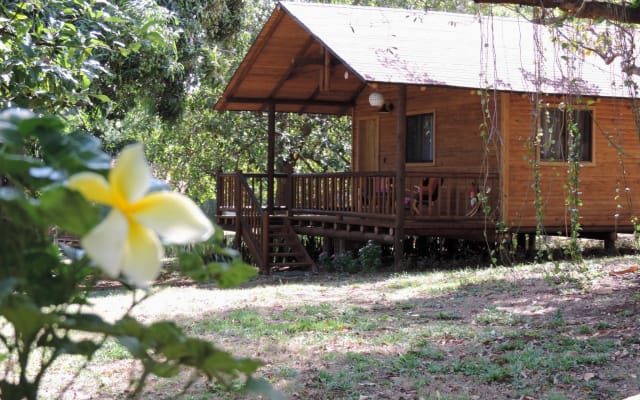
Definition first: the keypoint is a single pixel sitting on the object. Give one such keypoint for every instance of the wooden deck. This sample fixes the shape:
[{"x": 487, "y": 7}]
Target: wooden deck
[{"x": 357, "y": 206}]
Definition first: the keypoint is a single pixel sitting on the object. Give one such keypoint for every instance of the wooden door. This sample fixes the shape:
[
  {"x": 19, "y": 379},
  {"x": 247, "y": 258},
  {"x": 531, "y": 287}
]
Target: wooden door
[{"x": 367, "y": 151}]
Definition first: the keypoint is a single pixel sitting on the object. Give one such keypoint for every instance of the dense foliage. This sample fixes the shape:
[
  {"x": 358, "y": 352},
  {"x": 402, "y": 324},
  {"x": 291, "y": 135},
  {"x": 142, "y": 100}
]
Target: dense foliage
[
  {"x": 123, "y": 71},
  {"x": 42, "y": 288},
  {"x": 85, "y": 59}
]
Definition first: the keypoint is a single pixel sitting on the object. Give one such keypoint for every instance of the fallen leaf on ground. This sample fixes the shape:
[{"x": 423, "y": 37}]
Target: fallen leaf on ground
[{"x": 631, "y": 269}]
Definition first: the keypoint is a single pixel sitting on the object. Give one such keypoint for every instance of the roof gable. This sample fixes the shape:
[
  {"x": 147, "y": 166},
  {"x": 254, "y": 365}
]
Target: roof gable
[{"x": 406, "y": 47}]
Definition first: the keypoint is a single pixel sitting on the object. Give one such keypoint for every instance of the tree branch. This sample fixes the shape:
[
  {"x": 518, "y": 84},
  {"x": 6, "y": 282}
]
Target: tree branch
[{"x": 581, "y": 9}]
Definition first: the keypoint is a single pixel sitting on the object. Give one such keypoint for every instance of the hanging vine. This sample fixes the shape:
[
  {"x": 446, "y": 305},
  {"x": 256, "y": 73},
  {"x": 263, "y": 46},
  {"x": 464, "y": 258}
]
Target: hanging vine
[
  {"x": 566, "y": 54},
  {"x": 491, "y": 137},
  {"x": 536, "y": 140}
]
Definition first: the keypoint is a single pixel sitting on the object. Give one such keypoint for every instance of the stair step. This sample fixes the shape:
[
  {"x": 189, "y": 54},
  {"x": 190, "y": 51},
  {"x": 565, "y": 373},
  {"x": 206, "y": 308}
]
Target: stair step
[
  {"x": 290, "y": 264},
  {"x": 286, "y": 254},
  {"x": 283, "y": 243},
  {"x": 285, "y": 251},
  {"x": 278, "y": 232},
  {"x": 281, "y": 239}
]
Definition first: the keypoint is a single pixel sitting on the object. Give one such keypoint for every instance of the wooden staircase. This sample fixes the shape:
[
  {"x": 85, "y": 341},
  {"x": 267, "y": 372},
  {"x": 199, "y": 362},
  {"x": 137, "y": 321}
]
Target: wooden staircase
[
  {"x": 267, "y": 234},
  {"x": 286, "y": 251}
]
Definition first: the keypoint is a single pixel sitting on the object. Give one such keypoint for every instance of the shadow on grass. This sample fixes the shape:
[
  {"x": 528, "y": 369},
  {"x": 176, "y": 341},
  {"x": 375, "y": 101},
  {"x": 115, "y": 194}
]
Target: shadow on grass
[{"x": 481, "y": 333}]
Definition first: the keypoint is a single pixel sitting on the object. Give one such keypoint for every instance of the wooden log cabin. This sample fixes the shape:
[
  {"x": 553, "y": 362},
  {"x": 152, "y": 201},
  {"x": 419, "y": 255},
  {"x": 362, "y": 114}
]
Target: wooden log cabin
[{"x": 463, "y": 126}]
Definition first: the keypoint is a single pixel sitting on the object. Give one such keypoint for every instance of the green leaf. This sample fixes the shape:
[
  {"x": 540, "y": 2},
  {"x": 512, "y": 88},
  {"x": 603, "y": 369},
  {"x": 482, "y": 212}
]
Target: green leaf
[
  {"x": 134, "y": 346},
  {"x": 87, "y": 322},
  {"x": 164, "y": 332},
  {"x": 166, "y": 339},
  {"x": 69, "y": 210},
  {"x": 156, "y": 38},
  {"x": 217, "y": 362},
  {"x": 24, "y": 315},
  {"x": 74, "y": 152},
  {"x": 164, "y": 369},
  {"x": 9, "y": 135},
  {"x": 68, "y": 346},
  {"x": 227, "y": 271},
  {"x": 231, "y": 275},
  {"x": 103, "y": 98},
  {"x": 16, "y": 198},
  {"x": 40, "y": 125},
  {"x": 14, "y": 164}
]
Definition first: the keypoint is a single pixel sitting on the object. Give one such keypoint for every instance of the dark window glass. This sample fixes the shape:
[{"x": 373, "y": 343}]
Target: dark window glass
[
  {"x": 420, "y": 138},
  {"x": 557, "y": 126}
]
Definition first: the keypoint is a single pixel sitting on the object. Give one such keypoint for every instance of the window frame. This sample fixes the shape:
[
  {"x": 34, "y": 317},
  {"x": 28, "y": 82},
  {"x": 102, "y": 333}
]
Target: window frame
[
  {"x": 565, "y": 158},
  {"x": 433, "y": 139}
]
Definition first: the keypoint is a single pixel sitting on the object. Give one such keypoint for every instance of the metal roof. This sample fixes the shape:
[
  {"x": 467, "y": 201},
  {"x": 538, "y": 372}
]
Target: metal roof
[{"x": 417, "y": 47}]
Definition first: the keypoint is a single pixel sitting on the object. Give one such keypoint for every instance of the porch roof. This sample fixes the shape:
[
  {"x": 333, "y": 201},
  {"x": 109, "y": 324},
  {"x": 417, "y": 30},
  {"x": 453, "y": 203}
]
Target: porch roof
[{"x": 317, "y": 58}]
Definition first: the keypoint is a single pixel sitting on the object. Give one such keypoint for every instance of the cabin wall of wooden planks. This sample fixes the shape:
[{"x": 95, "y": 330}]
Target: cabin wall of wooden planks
[
  {"x": 457, "y": 118},
  {"x": 607, "y": 189},
  {"x": 608, "y": 183}
]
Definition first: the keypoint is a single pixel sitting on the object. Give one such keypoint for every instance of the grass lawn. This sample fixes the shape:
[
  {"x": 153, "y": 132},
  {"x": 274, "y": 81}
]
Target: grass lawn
[{"x": 536, "y": 331}]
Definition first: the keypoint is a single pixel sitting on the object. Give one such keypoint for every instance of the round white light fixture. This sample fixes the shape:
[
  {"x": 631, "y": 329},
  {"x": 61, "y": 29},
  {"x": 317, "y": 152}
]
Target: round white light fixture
[{"x": 376, "y": 99}]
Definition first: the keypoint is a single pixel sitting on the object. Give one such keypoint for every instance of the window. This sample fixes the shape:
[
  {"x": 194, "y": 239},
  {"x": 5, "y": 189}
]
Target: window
[
  {"x": 557, "y": 125},
  {"x": 420, "y": 138}
]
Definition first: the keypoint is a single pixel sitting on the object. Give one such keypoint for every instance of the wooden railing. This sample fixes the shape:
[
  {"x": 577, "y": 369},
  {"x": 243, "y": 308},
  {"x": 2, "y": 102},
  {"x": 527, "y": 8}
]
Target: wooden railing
[
  {"x": 362, "y": 194},
  {"x": 460, "y": 195},
  {"x": 227, "y": 185},
  {"x": 253, "y": 220},
  {"x": 336, "y": 193}
]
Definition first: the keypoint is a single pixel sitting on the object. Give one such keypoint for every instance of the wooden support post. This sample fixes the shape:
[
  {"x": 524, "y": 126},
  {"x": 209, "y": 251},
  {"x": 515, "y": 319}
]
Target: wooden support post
[
  {"x": 401, "y": 155},
  {"x": 271, "y": 146},
  {"x": 327, "y": 244},
  {"x": 521, "y": 239},
  {"x": 265, "y": 244},
  {"x": 609, "y": 239},
  {"x": 219, "y": 194},
  {"x": 326, "y": 72},
  {"x": 289, "y": 194},
  {"x": 531, "y": 247},
  {"x": 610, "y": 243},
  {"x": 238, "y": 200}
]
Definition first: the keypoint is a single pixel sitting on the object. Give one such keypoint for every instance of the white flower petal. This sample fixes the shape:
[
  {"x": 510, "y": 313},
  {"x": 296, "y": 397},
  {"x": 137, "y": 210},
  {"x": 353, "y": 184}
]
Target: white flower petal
[
  {"x": 173, "y": 216},
  {"x": 94, "y": 187},
  {"x": 142, "y": 256},
  {"x": 105, "y": 243},
  {"x": 131, "y": 176}
]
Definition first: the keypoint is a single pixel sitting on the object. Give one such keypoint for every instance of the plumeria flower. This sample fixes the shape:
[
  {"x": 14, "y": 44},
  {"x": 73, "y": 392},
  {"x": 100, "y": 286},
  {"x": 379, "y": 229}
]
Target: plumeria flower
[{"x": 127, "y": 241}]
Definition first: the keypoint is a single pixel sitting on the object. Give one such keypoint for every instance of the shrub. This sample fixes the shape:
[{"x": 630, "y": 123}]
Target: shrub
[
  {"x": 344, "y": 262},
  {"x": 325, "y": 260},
  {"x": 370, "y": 256}
]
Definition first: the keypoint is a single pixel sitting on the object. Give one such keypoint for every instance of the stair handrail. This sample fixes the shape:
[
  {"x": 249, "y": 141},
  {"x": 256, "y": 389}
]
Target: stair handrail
[{"x": 253, "y": 221}]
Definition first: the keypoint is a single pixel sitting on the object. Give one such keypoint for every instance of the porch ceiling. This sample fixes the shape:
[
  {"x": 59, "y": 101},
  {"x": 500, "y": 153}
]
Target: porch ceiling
[{"x": 289, "y": 66}]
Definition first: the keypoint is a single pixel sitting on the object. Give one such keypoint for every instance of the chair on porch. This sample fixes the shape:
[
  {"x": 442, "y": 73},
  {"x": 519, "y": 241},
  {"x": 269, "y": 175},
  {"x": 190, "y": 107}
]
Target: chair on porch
[
  {"x": 425, "y": 195},
  {"x": 474, "y": 201}
]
